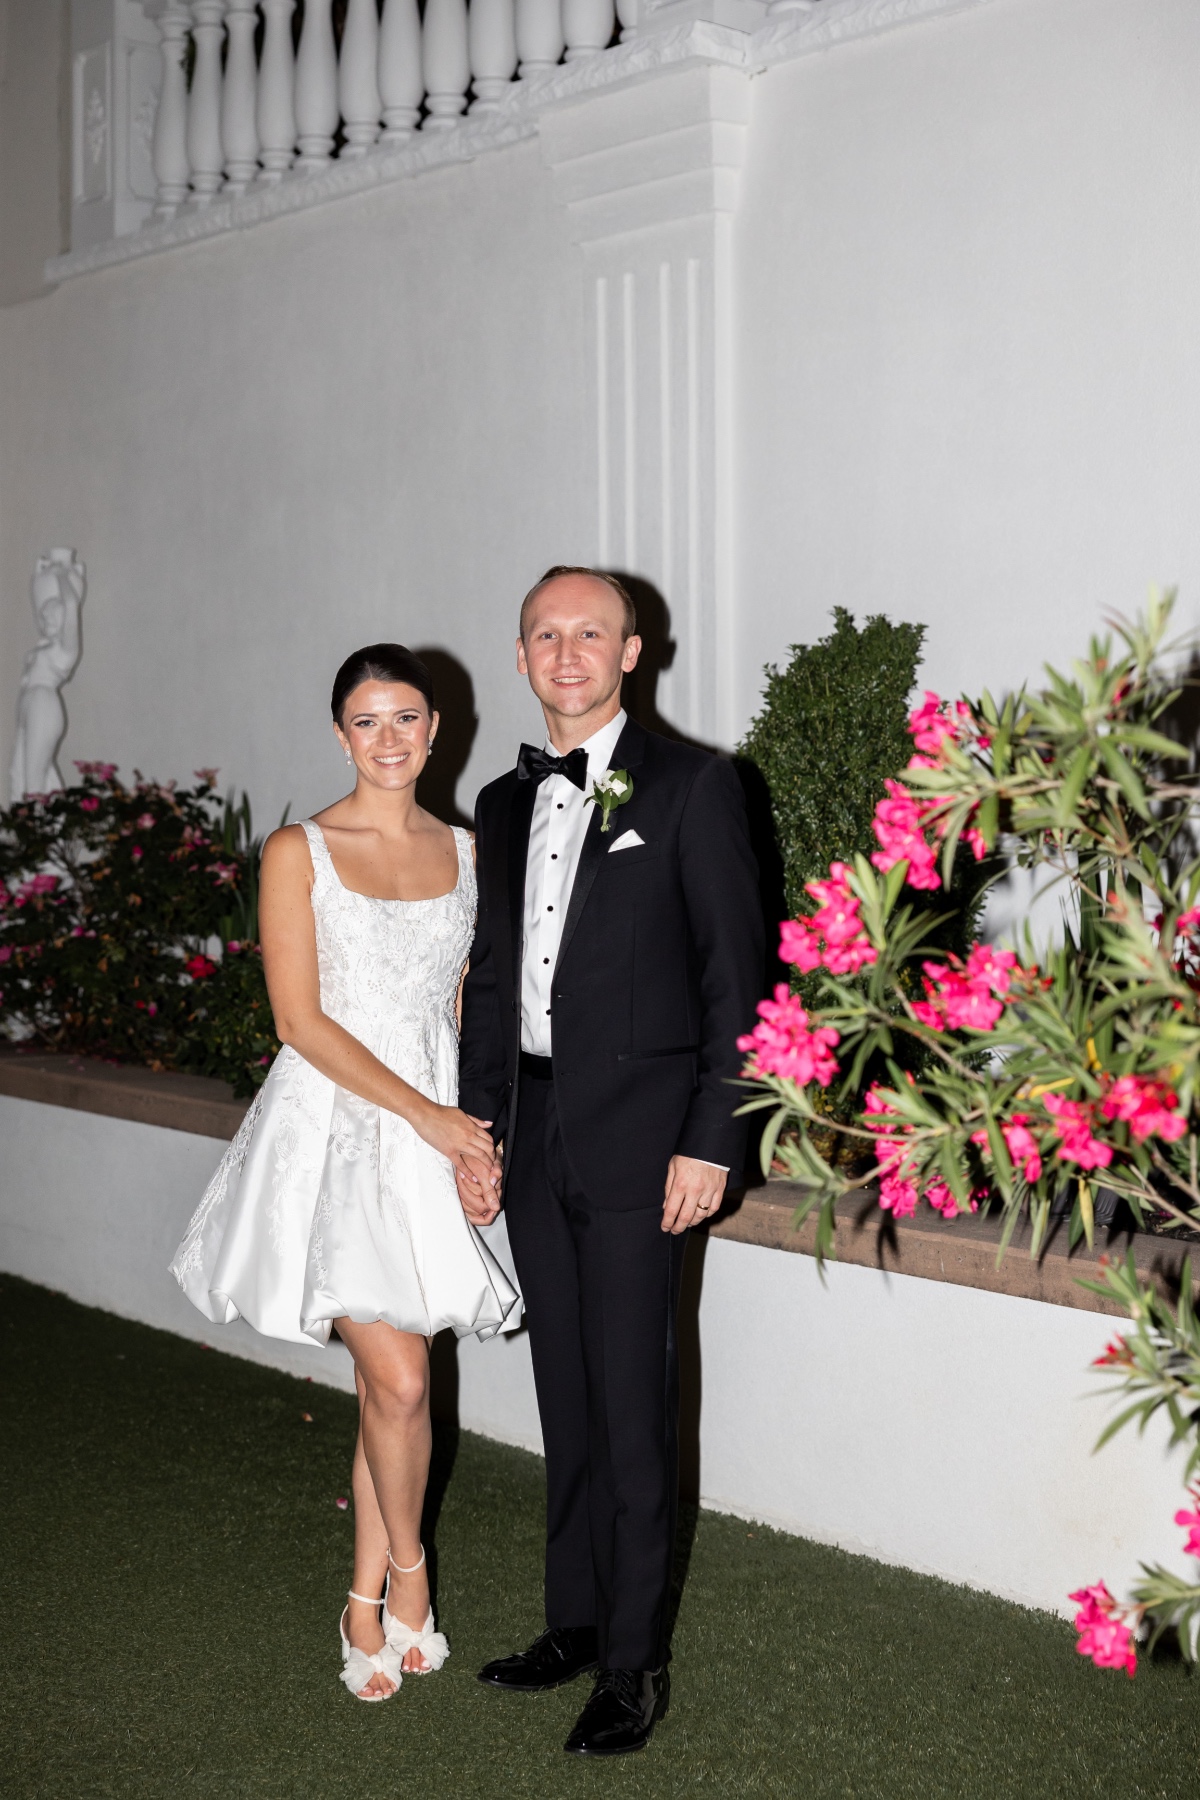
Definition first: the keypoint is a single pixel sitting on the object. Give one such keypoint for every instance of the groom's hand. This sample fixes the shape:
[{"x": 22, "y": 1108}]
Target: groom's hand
[{"x": 694, "y": 1192}]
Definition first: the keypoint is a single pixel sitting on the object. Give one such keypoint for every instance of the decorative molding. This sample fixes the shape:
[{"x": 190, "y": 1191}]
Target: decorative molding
[{"x": 651, "y": 53}]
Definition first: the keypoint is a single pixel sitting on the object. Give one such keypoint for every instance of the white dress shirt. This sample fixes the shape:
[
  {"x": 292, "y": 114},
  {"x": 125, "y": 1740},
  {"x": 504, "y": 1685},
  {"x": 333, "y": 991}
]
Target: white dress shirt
[{"x": 556, "y": 834}]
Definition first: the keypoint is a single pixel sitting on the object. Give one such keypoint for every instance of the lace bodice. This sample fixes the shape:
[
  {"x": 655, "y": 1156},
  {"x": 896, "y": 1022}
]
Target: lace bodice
[{"x": 390, "y": 969}]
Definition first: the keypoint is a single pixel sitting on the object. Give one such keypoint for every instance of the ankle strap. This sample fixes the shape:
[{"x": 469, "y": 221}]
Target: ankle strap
[
  {"x": 414, "y": 1567},
  {"x": 367, "y": 1599}
]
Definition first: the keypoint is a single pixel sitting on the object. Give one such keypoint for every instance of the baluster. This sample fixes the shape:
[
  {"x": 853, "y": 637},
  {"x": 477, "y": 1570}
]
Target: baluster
[
  {"x": 446, "y": 63},
  {"x": 492, "y": 41},
  {"x": 171, "y": 165},
  {"x": 276, "y": 116},
  {"x": 627, "y": 14},
  {"x": 204, "y": 101},
  {"x": 401, "y": 83},
  {"x": 316, "y": 87},
  {"x": 239, "y": 134},
  {"x": 587, "y": 27},
  {"x": 358, "y": 79},
  {"x": 539, "y": 34}
]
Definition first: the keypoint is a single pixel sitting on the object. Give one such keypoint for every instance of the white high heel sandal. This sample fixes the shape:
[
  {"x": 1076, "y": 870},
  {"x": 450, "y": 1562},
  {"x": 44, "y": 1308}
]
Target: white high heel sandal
[
  {"x": 402, "y": 1638},
  {"x": 358, "y": 1667}
]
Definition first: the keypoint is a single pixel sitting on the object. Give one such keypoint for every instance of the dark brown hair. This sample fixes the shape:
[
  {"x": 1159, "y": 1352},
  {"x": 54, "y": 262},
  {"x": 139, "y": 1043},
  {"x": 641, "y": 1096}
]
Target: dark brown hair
[
  {"x": 380, "y": 662},
  {"x": 628, "y": 624}
]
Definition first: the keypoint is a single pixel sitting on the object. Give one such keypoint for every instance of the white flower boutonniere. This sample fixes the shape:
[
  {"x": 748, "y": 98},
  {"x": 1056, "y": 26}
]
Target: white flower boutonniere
[{"x": 610, "y": 790}]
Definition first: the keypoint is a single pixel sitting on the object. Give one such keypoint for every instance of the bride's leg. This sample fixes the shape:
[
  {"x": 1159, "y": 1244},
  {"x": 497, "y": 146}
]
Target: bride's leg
[{"x": 392, "y": 1461}]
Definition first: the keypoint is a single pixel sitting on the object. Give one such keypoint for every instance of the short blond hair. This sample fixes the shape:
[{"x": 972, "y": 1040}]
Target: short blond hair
[{"x": 628, "y": 623}]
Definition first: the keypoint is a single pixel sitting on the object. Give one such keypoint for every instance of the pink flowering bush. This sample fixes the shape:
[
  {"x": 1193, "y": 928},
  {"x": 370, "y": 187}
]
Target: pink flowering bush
[
  {"x": 1005, "y": 1078},
  {"x": 113, "y": 900}
]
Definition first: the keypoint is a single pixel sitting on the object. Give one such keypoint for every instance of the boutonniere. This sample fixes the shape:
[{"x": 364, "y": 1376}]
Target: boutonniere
[{"x": 610, "y": 790}]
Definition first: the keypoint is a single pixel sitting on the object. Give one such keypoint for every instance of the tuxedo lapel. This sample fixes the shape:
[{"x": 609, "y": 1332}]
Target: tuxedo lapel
[
  {"x": 626, "y": 755},
  {"x": 520, "y": 817}
]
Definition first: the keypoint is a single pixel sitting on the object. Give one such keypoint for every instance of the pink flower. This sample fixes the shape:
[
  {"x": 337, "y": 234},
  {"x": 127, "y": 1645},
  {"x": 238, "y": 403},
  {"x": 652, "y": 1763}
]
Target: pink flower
[
  {"x": 967, "y": 997},
  {"x": 898, "y": 826},
  {"x": 341, "y": 1503},
  {"x": 833, "y": 936},
  {"x": 1073, "y": 1119},
  {"x": 96, "y": 771},
  {"x": 145, "y": 821},
  {"x": 783, "y": 1045},
  {"x": 152, "y": 1009},
  {"x": 263, "y": 1061},
  {"x": 898, "y": 1196},
  {"x": 1148, "y": 1106},
  {"x": 226, "y": 873},
  {"x": 90, "y": 804},
  {"x": 1023, "y": 1147},
  {"x": 1104, "y": 1638},
  {"x": 942, "y": 1200},
  {"x": 206, "y": 777},
  {"x": 936, "y": 722},
  {"x": 6, "y": 952},
  {"x": 39, "y": 884},
  {"x": 798, "y": 944},
  {"x": 1192, "y": 1520},
  {"x": 200, "y": 967},
  {"x": 232, "y": 947},
  {"x": 137, "y": 853}
]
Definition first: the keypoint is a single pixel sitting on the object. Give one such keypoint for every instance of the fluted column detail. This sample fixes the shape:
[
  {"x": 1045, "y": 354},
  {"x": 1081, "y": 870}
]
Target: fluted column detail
[
  {"x": 239, "y": 133},
  {"x": 587, "y": 27},
  {"x": 446, "y": 62},
  {"x": 358, "y": 78},
  {"x": 171, "y": 166},
  {"x": 492, "y": 43},
  {"x": 204, "y": 102},
  {"x": 316, "y": 87},
  {"x": 539, "y": 34},
  {"x": 401, "y": 82}
]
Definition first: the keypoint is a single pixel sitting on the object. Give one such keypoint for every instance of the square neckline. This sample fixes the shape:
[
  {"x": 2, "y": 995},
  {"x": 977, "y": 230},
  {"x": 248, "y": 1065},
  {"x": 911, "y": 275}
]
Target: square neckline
[{"x": 379, "y": 899}]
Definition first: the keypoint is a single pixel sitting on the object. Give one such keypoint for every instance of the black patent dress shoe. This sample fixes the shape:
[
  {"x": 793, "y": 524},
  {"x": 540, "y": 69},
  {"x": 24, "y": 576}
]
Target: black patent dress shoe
[
  {"x": 556, "y": 1657},
  {"x": 625, "y": 1706}
]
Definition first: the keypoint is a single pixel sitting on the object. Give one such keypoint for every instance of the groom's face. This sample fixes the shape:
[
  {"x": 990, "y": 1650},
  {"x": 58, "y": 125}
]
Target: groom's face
[{"x": 573, "y": 650}]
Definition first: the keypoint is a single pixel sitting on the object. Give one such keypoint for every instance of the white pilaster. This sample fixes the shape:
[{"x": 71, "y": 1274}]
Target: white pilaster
[
  {"x": 116, "y": 75},
  {"x": 650, "y": 177}
]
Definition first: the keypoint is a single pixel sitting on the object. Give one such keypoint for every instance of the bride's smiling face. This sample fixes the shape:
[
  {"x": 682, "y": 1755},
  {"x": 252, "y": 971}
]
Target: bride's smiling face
[{"x": 387, "y": 728}]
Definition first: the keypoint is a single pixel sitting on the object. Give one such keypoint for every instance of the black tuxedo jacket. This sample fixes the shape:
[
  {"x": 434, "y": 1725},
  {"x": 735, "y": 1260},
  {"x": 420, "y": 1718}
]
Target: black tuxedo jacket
[{"x": 659, "y": 970}]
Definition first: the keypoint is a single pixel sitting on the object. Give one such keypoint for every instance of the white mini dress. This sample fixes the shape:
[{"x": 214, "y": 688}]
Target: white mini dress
[{"x": 326, "y": 1207}]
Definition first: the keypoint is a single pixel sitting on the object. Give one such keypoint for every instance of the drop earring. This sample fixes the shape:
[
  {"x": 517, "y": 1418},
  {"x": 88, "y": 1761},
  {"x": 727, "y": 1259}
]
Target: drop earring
[
  {"x": 349, "y": 758},
  {"x": 429, "y": 749}
]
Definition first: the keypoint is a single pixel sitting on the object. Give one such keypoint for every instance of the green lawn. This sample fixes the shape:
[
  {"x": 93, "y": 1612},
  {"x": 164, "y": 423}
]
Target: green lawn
[{"x": 173, "y": 1567}]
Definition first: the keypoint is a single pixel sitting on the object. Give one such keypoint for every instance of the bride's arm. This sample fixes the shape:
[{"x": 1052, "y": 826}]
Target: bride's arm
[{"x": 289, "y": 946}]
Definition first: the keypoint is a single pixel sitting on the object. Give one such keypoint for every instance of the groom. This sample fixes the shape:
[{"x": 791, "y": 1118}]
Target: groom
[{"x": 617, "y": 956}]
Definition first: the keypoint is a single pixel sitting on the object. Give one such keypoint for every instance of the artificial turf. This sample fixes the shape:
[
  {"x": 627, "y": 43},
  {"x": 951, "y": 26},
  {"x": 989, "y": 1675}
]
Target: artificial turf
[{"x": 173, "y": 1564}]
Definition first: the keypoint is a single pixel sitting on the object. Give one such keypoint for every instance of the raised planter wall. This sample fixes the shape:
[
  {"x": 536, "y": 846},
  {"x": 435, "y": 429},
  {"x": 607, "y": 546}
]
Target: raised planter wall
[{"x": 918, "y": 1404}]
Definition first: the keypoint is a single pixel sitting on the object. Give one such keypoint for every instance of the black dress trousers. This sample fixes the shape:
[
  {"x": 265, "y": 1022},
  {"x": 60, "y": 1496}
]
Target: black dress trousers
[{"x": 601, "y": 1290}]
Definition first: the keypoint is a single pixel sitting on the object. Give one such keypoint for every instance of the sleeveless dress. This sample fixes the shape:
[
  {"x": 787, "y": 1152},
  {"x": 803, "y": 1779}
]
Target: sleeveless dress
[{"x": 325, "y": 1206}]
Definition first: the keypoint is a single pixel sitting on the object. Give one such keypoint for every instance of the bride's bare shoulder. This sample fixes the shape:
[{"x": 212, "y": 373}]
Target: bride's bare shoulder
[{"x": 286, "y": 852}]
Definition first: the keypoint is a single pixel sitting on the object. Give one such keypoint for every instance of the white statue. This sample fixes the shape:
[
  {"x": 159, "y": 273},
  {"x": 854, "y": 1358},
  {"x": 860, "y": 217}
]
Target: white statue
[{"x": 57, "y": 589}]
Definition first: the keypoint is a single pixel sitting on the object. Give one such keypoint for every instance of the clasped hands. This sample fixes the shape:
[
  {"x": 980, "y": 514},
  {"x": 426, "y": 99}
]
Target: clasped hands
[{"x": 694, "y": 1189}]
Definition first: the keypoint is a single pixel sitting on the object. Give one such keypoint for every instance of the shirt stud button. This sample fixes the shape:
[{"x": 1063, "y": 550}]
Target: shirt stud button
[{"x": 545, "y": 959}]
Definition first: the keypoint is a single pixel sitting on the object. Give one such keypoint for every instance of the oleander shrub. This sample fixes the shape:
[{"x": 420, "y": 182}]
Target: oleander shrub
[{"x": 129, "y": 923}]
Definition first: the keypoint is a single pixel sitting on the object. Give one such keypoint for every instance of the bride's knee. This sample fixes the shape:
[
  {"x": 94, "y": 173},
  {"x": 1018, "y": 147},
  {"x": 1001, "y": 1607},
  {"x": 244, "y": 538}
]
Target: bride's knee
[{"x": 400, "y": 1390}]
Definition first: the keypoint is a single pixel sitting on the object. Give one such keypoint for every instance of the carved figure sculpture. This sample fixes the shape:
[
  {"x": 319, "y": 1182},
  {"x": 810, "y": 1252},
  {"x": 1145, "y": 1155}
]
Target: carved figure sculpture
[{"x": 56, "y": 591}]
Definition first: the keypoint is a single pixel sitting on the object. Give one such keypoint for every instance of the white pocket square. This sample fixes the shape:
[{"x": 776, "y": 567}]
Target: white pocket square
[{"x": 626, "y": 841}]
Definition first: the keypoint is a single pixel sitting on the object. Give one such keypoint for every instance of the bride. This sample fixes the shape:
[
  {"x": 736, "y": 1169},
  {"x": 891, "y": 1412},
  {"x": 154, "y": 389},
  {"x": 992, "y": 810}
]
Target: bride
[{"x": 336, "y": 1206}]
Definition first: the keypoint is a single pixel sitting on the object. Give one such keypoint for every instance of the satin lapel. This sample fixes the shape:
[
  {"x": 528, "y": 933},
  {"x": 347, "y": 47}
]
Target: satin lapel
[{"x": 520, "y": 818}]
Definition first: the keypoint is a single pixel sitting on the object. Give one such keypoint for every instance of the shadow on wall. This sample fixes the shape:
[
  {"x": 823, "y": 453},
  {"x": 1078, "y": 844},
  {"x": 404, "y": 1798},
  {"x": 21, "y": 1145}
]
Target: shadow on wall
[{"x": 454, "y": 694}]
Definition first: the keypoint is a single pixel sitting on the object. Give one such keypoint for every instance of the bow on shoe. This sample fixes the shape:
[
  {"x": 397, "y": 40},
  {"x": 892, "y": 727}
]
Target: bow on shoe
[
  {"x": 358, "y": 1667},
  {"x": 536, "y": 765},
  {"x": 402, "y": 1638}
]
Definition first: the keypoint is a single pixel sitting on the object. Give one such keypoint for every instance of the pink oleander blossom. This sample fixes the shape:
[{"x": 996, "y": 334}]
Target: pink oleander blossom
[
  {"x": 898, "y": 825},
  {"x": 1191, "y": 1520},
  {"x": 145, "y": 821},
  {"x": 225, "y": 874},
  {"x": 782, "y": 1044},
  {"x": 970, "y": 996},
  {"x": 97, "y": 771},
  {"x": 200, "y": 967},
  {"x": 1073, "y": 1124},
  {"x": 834, "y": 936},
  {"x": 90, "y": 804},
  {"x": 1102, "y": 1635},
  {"x": 1023, "y": 1147},
  {"x": 206, "y": 777},
  {"x": 799, "y": 944},
  {"x": 1147, "y": 1106},
  {"x": 936, "y": 722},
  {"x": 38, "y": 885},
  {"x": 6, "y": 953},
  {"x": 137, "y": 853},
  {"x": 898, "y": 1196}
]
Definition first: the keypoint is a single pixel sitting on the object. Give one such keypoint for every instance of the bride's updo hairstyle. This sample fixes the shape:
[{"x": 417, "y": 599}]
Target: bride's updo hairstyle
[{"x": 380, "y": 662}]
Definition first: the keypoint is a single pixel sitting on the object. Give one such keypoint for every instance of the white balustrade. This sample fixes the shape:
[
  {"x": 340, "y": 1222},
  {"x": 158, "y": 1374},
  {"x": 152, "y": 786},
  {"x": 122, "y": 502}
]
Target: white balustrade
[
  {"x": 204, "y": 150},
  {"x": 445, "y": 62},
  {"x": 627, "y": 14},
  {"x": 358, "y": 77},
  {"x": 492, "y": 42},
  {"x": 539, "y": 34},
  {"x": 587, "y": 27},
  {"x": 401, "y": 80},
  {"x": 171, "y": 167},
  {"x": 316, "y": 87},
  {"x": 239, "y": 132},
  {"x": 276, "y": 114}
]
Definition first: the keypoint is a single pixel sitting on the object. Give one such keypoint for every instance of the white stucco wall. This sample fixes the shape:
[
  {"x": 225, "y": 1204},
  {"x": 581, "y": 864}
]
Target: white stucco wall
[
  {"x": 965, "y": 391},
  {"x": 933, "y": 1426}
]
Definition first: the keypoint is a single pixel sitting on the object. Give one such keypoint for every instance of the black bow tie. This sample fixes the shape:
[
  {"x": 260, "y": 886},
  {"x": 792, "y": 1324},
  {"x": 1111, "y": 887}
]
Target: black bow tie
[{"x": 535, "y": 765}]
